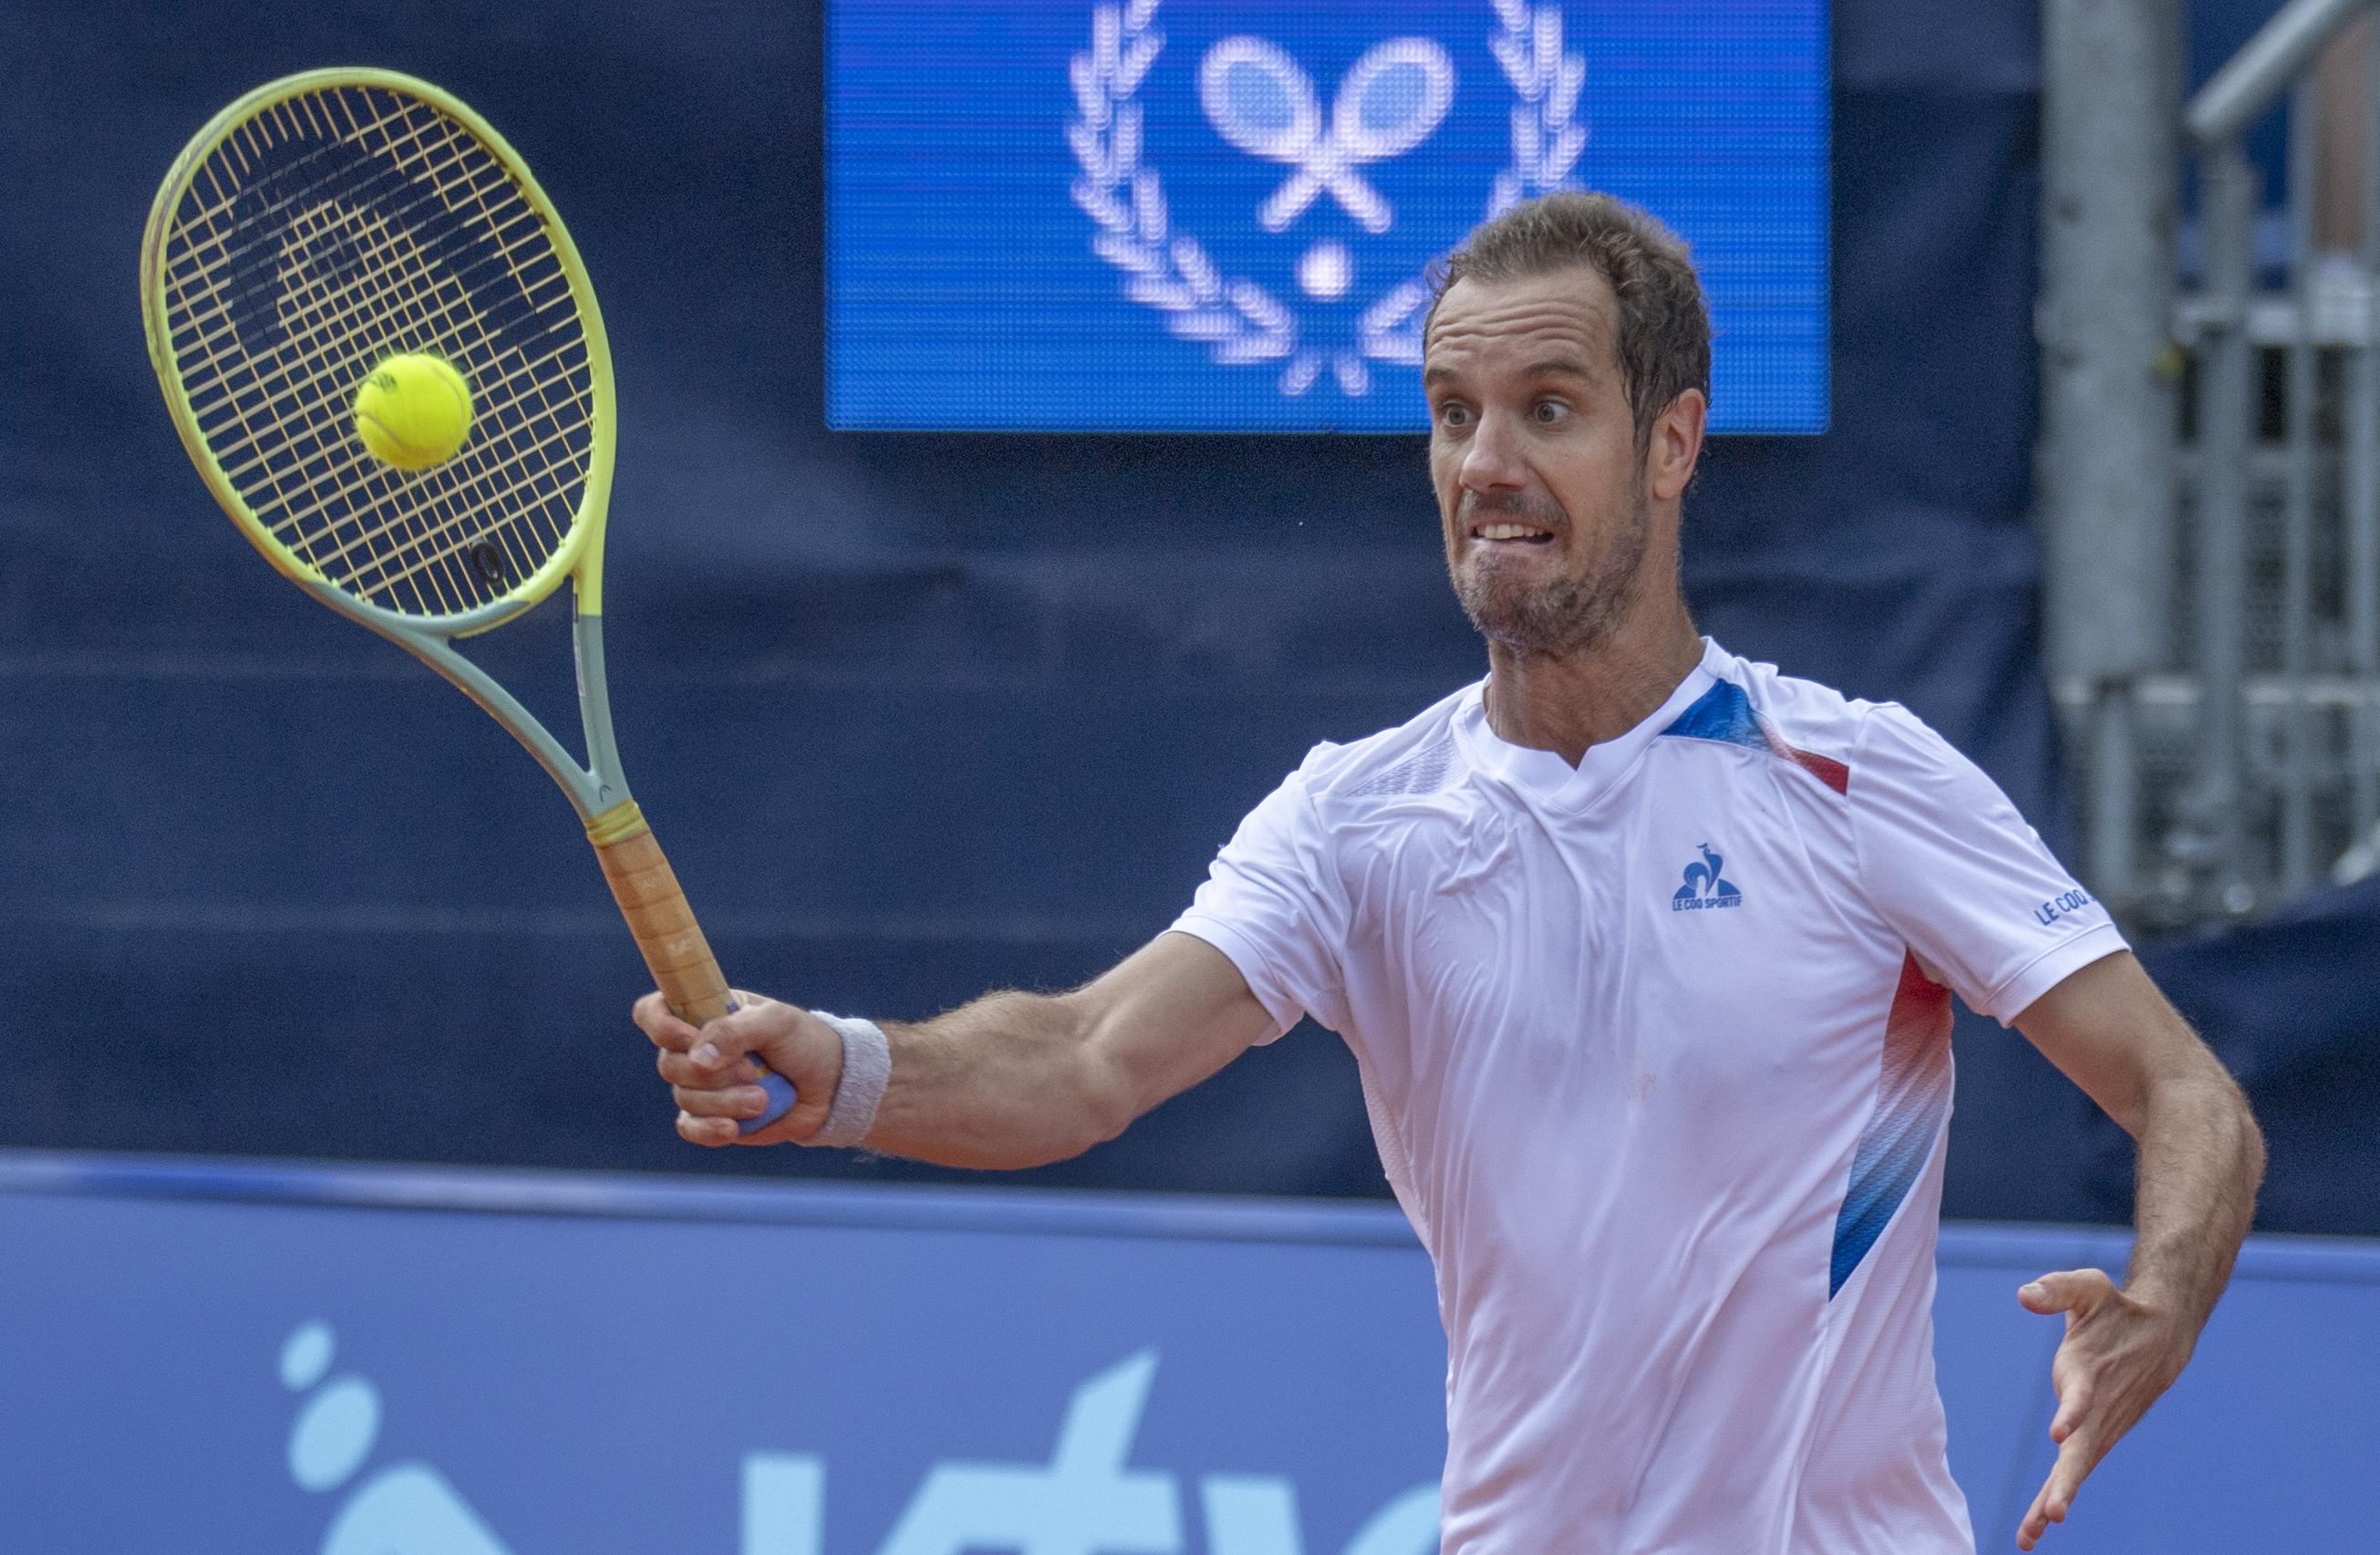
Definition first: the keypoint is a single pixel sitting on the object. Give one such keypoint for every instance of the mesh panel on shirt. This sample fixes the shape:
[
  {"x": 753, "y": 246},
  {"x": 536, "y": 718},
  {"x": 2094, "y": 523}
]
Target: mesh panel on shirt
[{"x": 1427, "y": 770}]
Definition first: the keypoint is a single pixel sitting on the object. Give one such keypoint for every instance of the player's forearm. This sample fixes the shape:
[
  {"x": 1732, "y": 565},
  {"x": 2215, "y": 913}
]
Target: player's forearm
[
  {"x": 2201, "y": 1158},
  {"x": 1008, "y": 1081}
]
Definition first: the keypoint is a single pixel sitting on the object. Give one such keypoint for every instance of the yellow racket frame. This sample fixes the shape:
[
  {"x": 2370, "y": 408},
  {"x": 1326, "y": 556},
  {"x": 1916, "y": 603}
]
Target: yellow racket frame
[{"x": 648, "y": 893}]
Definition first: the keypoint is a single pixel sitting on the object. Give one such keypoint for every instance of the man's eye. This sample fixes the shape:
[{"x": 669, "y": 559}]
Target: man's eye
[
  {"x": 1548, "y": 411},
  {"x": 1454, "y": 414}
]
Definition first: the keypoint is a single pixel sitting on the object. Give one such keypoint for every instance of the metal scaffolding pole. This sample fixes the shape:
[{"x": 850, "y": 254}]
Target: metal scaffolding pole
[
  {"x": 2297, "y": 850},
  {"x": 2106, "y": 496},
  {"x": 2228, "y": 426},
  {"x": 2362, "y": 494}
]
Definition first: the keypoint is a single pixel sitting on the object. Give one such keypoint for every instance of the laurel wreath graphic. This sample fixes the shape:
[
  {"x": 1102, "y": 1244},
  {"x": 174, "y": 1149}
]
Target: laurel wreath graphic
[{"x": 1238, "y": 320}]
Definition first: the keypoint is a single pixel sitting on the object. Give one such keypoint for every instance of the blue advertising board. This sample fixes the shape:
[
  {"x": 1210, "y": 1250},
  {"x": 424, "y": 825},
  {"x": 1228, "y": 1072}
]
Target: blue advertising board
[
  {"x": 1213, "y": 214},
  {"x": 383, "y": 1361},
  {"x": 368, "y": 1362}
]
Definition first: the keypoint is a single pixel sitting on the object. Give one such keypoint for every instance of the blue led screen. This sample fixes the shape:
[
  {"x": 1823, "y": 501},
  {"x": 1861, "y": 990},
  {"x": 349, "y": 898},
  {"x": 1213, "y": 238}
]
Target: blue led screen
[{"x": 1201, "y": 215}]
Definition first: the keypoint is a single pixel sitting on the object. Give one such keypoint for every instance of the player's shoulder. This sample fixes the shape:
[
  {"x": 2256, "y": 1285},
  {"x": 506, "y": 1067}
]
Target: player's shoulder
[
  {"x": 1872, "y": 739},
  {"x": 1419, "y": 756}
]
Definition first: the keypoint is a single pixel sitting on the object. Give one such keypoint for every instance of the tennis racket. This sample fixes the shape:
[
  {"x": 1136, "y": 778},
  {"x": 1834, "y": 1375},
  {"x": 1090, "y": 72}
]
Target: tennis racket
[{"x": 314, "y": 229}]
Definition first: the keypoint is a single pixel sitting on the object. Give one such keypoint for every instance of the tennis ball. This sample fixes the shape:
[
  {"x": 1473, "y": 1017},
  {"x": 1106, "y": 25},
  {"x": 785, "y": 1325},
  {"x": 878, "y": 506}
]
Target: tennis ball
[{"x": 413, "y": 411}]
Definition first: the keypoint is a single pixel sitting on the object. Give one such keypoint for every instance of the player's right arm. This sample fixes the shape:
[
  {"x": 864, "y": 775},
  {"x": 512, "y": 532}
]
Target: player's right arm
[{"x": 1010, "y": 1080}]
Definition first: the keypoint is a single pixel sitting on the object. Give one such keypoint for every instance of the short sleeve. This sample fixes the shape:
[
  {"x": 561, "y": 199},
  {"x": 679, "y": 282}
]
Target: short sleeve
[
  {"x": 1272, "y": 904},
  {"x": 1959, "y": 874}
]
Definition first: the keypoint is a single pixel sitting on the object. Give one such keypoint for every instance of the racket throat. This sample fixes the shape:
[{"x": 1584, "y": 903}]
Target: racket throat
[{"x": 610, "y": 789}]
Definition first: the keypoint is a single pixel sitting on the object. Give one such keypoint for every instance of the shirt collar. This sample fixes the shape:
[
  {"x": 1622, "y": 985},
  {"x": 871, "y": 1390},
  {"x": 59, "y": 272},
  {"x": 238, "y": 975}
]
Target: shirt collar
[{"x": 1544, "y": 774}]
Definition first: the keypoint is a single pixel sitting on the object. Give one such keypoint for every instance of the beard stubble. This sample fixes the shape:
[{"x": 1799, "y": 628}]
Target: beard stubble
[{"x": 1564, "y": 615}]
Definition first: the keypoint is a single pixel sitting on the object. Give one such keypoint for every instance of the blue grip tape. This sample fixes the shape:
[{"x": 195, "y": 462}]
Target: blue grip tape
[{"x": 781, "y": 1098}]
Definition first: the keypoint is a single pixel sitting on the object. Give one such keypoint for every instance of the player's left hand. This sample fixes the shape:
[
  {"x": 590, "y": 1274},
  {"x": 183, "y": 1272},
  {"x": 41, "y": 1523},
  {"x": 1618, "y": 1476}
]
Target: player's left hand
[{"x": 2119, "y": 1353}]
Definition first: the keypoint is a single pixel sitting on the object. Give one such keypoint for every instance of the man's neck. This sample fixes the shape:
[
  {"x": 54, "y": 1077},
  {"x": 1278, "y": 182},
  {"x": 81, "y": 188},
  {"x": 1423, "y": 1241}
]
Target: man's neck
[{"x": 1568, "y": 703}]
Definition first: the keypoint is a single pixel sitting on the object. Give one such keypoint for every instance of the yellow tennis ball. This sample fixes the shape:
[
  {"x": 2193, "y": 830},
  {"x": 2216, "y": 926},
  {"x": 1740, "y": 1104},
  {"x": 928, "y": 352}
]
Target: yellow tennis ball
[{"x": 413, "y": 411}]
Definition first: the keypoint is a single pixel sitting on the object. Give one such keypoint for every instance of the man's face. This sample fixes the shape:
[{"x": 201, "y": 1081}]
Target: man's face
[{"x": 1533, "y": 454}]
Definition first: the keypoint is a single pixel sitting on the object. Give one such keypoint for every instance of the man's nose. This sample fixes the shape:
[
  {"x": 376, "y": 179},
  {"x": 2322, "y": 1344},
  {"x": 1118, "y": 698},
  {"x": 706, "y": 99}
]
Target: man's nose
[{"x": 1492, "y": 462}]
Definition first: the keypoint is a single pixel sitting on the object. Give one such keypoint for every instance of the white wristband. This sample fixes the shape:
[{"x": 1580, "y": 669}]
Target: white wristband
[{"x": 866, "y": 1070}]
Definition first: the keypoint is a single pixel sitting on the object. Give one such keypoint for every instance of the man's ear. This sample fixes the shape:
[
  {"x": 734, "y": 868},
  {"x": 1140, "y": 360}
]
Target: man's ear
[{"x": 1675, "y": 446}]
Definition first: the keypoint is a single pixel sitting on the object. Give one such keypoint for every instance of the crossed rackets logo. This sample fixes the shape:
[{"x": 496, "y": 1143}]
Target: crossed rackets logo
[{"x": 1261, "y": 102}]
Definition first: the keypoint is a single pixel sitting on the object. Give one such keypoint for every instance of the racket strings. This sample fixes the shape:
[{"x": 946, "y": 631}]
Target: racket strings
[
  {"x": 301, "y": 311},
  {"x": 213, "y": 259},
  {"x": 452, "y": 319},
  {"x": 211, "y": 322},
  {"x": 314, "y": 310},
  {"x": 327, "y": 233},
  {"x": 424, "y": 551}
]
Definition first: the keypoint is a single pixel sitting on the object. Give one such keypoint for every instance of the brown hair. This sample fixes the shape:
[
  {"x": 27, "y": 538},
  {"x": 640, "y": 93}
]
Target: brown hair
[{"x": 1664, "y": 331}]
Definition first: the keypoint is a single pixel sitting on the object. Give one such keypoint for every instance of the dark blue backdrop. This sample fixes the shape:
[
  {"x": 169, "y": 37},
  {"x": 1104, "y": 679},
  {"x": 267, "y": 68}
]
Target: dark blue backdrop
[{"x": 915, "y": 714}]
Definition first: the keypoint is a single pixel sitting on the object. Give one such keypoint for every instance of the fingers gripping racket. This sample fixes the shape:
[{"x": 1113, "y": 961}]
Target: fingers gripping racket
[{"x": 348, "y": 234}]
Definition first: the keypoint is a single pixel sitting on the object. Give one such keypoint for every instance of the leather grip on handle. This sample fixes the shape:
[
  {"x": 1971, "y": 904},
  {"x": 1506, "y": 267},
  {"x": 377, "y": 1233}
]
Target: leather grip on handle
[{"x": 674, "y": 951}]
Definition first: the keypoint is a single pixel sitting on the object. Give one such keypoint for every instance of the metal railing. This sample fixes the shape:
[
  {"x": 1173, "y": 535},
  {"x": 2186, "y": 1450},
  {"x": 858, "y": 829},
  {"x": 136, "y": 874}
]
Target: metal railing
[{"x": 2214, "y": 606}]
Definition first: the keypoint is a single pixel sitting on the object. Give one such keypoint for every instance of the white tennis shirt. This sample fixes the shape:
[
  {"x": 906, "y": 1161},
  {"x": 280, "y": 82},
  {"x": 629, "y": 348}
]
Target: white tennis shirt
[{"x": 1657, "y": 1053}]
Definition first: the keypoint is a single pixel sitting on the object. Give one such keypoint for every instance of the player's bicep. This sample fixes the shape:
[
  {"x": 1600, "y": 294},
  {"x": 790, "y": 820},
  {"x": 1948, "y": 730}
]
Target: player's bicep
[
  {"x": 1168, "y": 1015},
  {"x": 2110, "y": 1031}
]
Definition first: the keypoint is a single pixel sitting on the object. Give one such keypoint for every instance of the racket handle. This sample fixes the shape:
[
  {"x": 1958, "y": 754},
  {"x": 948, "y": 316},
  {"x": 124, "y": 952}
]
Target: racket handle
[{"x": 674, "y": 951}]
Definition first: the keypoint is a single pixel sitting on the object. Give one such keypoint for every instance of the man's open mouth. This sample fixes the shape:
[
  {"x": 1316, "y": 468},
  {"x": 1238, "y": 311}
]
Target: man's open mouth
[{"x": 1527, "y": 534}]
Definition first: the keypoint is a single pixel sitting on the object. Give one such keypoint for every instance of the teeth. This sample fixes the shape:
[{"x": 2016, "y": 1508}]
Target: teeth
[{"x": 1509, "y": 531}]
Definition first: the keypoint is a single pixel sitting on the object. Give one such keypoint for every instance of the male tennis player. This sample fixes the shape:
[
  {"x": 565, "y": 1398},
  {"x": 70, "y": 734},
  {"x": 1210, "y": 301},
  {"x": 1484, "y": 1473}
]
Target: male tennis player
[{"x": 1646, "y": 952}]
